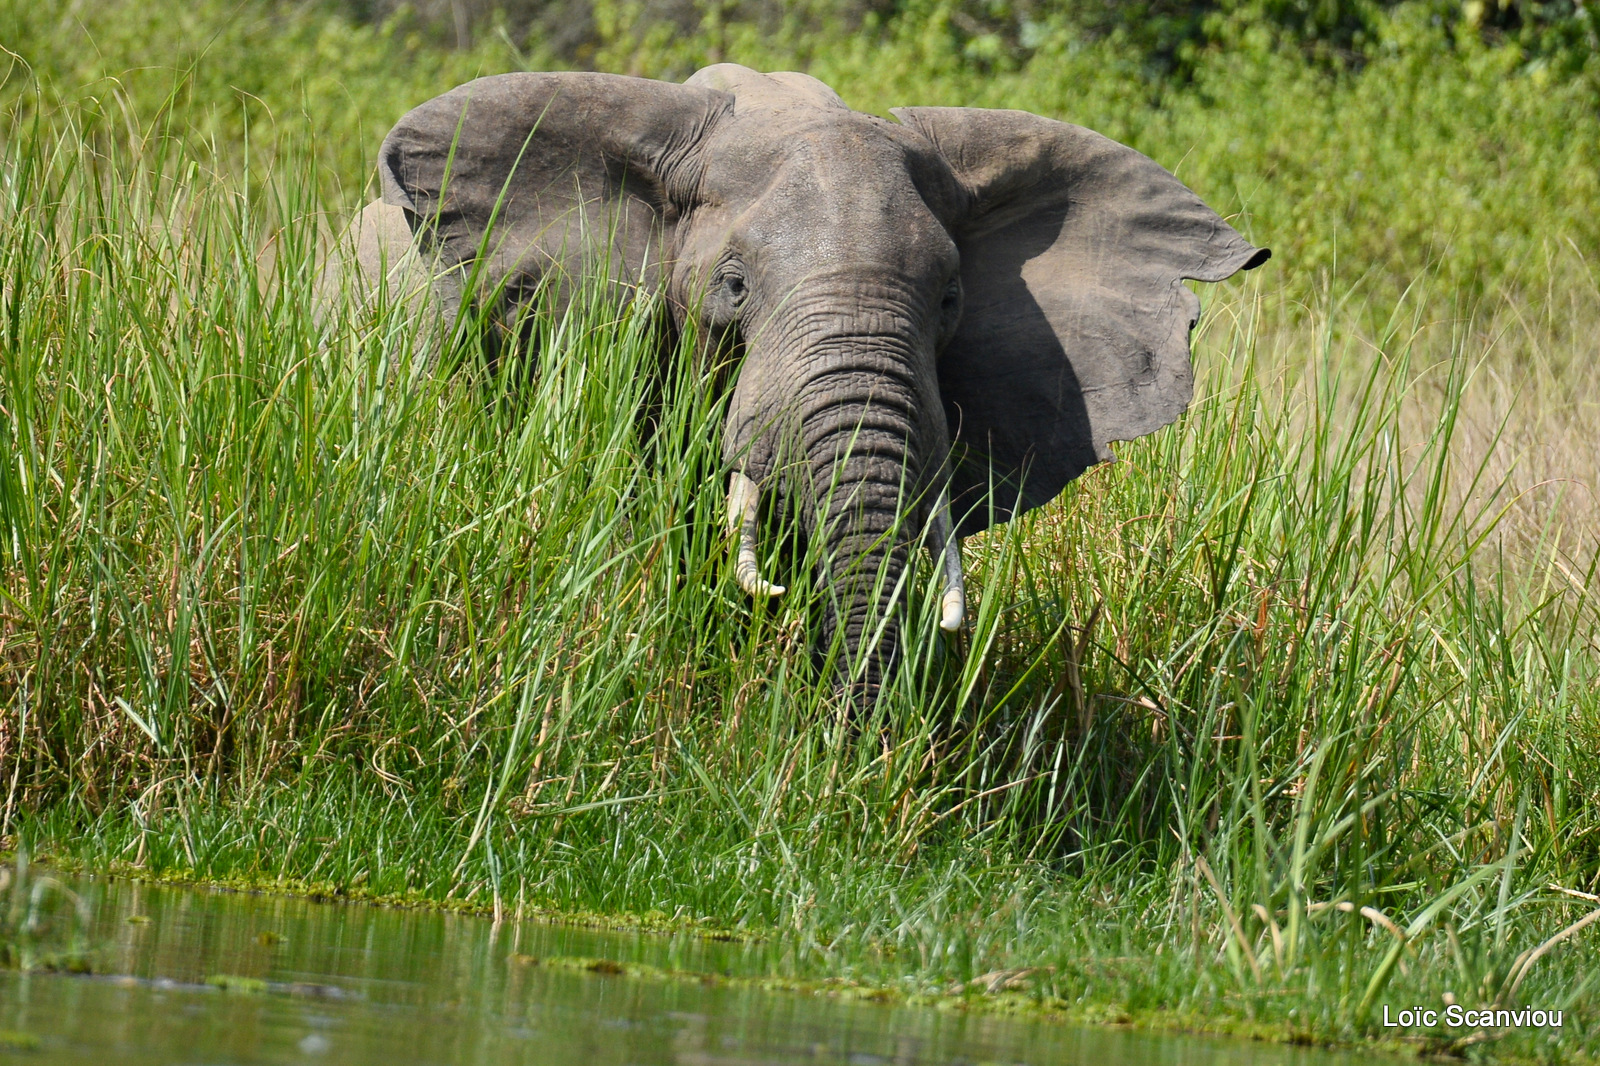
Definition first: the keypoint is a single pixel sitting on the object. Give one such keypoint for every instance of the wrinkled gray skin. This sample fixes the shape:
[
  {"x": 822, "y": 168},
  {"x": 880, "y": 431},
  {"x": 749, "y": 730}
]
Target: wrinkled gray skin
[{"x": 973, "y": 298}]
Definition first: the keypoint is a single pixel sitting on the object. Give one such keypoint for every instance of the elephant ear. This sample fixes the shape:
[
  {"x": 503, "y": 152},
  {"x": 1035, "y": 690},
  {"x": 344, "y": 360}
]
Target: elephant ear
[
  {"x": 534, "y": 175},
  {"x": 1076, "y": 321}
]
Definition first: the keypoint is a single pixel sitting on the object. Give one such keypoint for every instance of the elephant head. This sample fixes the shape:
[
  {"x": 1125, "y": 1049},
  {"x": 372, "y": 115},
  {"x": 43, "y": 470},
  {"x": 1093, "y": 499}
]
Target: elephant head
[{"x": 944, "y": 318}]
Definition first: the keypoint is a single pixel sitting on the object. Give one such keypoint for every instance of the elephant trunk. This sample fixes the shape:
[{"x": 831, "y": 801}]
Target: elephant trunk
[
  {"x": 859, "y": 437},
  {"x": 864, "y": 555}
]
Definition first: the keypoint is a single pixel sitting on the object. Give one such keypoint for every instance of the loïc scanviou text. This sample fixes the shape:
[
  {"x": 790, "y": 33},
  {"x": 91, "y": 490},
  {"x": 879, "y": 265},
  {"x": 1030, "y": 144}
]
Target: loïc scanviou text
[{"x": 1456, "y": 1017}]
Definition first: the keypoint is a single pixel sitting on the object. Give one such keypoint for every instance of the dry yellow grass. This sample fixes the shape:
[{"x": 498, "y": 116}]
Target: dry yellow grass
[{"x": 1525, "y": 447}]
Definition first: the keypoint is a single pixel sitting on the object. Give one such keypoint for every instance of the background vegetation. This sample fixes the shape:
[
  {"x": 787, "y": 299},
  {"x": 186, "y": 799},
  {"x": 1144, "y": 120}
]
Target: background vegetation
[{"x": 1290, "y": 714}]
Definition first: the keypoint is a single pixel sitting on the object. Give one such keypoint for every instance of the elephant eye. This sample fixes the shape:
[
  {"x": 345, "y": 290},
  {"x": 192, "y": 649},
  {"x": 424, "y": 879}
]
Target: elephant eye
[
  {"x": 733, "y": 285},
  {"x": 952, "y": 298}
]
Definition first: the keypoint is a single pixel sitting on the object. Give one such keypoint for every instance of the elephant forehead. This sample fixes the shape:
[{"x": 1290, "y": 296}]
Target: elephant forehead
[
  {"x": 820, "y": 217},
  {"x": 825, "y": 185},
  {"x": 839, "y": 154},
  {"x": 752, "y": 89}
]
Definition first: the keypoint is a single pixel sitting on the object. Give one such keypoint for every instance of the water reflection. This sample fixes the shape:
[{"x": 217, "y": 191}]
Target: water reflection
[{"x": 223, "y": 978}]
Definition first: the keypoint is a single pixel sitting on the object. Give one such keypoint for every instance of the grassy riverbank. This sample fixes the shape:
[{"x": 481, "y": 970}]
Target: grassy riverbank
[{"x": 1290, "y": 714}]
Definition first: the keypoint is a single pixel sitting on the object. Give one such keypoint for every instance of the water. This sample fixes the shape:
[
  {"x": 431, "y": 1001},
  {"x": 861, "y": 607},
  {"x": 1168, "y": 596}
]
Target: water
[{"x": 316, "y": 983}]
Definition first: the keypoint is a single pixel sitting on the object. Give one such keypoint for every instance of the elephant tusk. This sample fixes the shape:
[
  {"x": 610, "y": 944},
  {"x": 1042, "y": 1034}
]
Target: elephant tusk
[
  {"x": 947, "y": 548},
  {"x": 743, "y": 500}
]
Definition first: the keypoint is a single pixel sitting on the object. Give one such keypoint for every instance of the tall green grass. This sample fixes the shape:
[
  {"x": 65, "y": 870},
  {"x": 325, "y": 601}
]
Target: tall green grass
[{"x": 1257, "y": 725}]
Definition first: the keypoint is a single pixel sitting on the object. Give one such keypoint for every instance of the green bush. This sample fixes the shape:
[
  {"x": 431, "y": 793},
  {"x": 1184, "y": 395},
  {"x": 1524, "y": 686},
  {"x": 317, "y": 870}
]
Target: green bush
[{"x": 1440, "y": 155}]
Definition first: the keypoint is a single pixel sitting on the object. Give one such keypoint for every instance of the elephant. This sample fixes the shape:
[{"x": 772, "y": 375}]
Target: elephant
[{"x": 936, "y": 322}]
